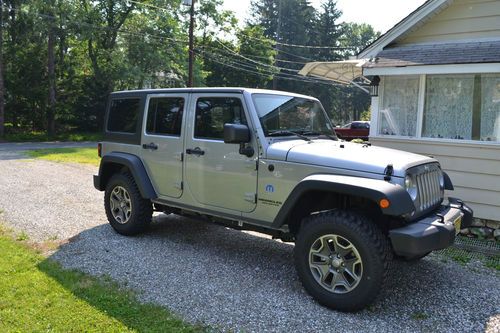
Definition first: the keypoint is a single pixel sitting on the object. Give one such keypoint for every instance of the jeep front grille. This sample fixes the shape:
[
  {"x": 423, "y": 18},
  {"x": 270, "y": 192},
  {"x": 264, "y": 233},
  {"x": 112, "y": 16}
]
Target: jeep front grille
[{"x": 429, "y": 189}]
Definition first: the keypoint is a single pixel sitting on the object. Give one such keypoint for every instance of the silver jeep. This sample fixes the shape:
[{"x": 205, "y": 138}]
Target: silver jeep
[{"x": 269, "y": 161}]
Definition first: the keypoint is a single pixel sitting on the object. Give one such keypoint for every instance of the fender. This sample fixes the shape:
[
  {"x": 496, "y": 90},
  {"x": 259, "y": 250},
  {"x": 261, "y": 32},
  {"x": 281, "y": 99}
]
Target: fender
[
  {"x": 448, "y": 185},
  {"x": 134, "y": 164},
  {"x": 371, "y": 189}
]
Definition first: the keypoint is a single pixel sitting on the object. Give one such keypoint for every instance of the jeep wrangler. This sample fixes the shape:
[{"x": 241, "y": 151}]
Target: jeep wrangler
[{"x": 269, "y": 161}]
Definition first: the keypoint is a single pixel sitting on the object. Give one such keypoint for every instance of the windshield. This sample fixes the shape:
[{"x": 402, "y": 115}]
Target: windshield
[{"x": 282, "y": 115}]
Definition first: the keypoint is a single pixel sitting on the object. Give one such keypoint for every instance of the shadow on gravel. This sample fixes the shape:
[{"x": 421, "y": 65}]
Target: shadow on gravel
[
  {"x": 213, "y": 275},
  {"x": 13, "y": 155}
]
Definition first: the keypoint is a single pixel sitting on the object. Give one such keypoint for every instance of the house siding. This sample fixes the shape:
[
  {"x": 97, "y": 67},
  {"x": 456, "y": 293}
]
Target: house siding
[
  {"x": 463, "y": 20},
  {"x": 474, "y": 169}
]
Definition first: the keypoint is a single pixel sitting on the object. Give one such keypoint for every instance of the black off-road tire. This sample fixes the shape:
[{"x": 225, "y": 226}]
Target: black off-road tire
[
  {"x": 371, "y": 245},
  {"x": 141, "y": 209}
]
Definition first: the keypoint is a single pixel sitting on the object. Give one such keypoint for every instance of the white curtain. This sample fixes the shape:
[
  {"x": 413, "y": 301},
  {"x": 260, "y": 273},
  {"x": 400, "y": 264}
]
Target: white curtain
[
  {"x": 490, "y": 107},
  {"x": 398, "y": 112},
  {"x": 448, "y": 107}
]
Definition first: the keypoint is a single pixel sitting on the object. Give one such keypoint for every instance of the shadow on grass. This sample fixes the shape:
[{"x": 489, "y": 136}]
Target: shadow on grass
[{"x": 116, "y": 301}]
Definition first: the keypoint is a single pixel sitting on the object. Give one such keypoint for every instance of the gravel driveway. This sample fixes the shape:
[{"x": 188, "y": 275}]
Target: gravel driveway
[{"x": 229, "y": 279}]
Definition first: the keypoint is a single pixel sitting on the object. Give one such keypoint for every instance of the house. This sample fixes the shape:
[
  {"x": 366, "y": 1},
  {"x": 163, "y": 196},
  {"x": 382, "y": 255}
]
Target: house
[{"x": 436, "y": 91}]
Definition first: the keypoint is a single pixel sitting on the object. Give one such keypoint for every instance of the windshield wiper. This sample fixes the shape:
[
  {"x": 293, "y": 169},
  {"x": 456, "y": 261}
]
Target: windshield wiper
[
  {"x": 288, "y": 133},
  {"x": 329, "y": 136}
]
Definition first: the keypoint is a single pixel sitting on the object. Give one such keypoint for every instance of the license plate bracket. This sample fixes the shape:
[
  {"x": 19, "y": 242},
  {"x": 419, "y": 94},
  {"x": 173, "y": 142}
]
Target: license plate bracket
[{"x": 458, "y": 224}]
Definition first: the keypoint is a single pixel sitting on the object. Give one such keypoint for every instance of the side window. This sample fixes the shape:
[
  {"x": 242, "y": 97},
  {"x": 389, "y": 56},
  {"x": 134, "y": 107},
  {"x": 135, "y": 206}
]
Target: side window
[
  {"x": 123, "y": 115},
  {"x": 165, "y": 116},
  {"x": 213, "y": 112}
]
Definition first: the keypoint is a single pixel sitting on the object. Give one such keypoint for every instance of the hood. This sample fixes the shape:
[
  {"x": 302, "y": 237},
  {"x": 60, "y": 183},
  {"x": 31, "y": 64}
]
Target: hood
[{"x": 345, "y": 155}]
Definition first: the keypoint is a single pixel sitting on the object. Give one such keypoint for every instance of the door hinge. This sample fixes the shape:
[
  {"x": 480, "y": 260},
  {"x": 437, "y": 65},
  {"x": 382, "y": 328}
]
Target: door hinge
[
  {"x": 257, "y": 165},
  {"x": 179, "y": 185},
  {"x": 182, "y": 157},
  {"x": 251, "y": 197}
]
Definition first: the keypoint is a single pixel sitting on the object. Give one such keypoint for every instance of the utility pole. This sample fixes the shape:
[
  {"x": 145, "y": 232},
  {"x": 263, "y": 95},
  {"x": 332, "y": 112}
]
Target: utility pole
[
  {"x": 278, "y": 33},
  {"x": 191, "y": 40}
]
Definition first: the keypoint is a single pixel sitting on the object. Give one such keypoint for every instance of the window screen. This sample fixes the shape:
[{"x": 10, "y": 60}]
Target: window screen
[
  {"x": 165, "y": 116},
  {"x": 123, "y": 115},
  {"x": 213, "y": 112}
]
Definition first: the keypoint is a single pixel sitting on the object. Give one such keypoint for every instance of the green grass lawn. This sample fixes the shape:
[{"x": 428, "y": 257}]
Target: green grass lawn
[
  {"x": 37, "y": 295},
  {"x": 75, "y": 155}
]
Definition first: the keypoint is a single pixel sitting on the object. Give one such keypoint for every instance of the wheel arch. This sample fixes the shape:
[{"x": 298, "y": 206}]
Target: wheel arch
[
  {"x": 324, "y": 192},
  {"x": 118, "y": 162}
]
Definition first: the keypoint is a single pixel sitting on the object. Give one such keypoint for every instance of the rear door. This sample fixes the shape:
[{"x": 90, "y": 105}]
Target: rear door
[
  {"x": 216, "y": 173},
  {"x": 162, "y": 143}
]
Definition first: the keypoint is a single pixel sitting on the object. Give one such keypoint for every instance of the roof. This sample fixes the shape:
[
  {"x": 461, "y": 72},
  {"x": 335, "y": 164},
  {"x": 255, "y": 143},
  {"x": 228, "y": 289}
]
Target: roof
[
  {"x": 437, "y": 54},
  {"x": 410, "y": 23},
  {"x": 222, "y": 90}
]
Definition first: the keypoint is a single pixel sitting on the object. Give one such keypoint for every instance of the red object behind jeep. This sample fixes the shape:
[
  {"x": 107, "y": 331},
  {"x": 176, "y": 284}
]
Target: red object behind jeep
[{"x": 354, "y": 130}]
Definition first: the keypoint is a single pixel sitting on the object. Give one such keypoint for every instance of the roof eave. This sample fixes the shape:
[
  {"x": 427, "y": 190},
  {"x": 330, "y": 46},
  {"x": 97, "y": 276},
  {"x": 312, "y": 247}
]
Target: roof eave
[{"x": 402, "y": 27}]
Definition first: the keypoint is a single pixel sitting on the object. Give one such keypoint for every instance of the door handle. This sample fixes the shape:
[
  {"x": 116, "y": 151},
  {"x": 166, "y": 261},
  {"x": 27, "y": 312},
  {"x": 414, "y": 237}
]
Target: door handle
[
  {"x": 196, "y": 151},
  {"x": 152, "y": 146}
]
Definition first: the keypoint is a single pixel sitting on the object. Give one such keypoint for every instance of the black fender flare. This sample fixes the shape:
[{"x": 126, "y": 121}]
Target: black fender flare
[
  {"x": 448, "y": 185},
  {"x": 136, "y": 167},
  {"x": 371, "y": 189}
]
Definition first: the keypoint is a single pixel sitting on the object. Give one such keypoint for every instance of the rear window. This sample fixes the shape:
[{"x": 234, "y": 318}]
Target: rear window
[
  {"x": 123, "y": 115},
  {"x": 165, "y": 116}
]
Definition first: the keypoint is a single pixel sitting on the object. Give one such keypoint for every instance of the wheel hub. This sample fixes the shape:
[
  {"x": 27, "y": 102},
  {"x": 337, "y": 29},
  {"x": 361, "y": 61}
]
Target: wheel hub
[
  {"x": 335, "y": 263},
  {"x": 120, "y": 204}
]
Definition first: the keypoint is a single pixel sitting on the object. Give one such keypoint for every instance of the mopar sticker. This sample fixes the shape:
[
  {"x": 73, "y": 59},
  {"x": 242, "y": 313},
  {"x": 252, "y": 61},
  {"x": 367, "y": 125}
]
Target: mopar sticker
[{"x": 269, "y": 188}]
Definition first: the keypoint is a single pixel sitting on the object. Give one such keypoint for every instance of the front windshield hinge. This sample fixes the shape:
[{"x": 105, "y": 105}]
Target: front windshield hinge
[{"x": 389, "y": 170}]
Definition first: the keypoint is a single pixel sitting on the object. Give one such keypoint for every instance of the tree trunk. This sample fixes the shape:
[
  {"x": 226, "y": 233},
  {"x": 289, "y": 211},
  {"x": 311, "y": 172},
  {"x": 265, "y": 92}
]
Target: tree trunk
[
  {"x": 51, "y": 66},
  {"x": 2, "y": 87}
]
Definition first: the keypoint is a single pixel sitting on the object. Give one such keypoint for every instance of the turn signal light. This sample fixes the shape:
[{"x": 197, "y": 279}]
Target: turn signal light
[{"x": 384, "y": 203}]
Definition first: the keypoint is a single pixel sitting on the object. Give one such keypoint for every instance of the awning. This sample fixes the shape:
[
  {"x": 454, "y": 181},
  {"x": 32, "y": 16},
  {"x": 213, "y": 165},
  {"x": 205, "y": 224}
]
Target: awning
[{"x": 339, "y": 71}]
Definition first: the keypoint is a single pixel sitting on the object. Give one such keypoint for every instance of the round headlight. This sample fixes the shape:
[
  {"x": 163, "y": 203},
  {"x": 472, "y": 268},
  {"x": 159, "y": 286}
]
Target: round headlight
[{"x": 411, "y": 187}]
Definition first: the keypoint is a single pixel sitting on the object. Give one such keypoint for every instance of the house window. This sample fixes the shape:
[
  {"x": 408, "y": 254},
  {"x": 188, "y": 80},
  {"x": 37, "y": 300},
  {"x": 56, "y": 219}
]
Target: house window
[
  {"x": 398, "y": 113},
  {"x": 451, "y": 106},
  {"x": 490, "y": 107},
  {"x": 448, "y": 107},
  {"x": 165, "y": 116}
]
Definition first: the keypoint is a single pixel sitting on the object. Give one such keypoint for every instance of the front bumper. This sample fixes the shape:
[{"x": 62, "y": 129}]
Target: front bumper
[{"x": 434, "y": 232}]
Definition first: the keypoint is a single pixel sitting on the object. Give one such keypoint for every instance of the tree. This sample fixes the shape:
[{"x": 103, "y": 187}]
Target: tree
[{"x": 2, "y": 87}]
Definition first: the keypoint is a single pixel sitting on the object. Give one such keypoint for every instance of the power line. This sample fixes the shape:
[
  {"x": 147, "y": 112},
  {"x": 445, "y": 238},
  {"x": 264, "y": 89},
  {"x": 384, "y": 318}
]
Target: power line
[
  {"x": 247, "y": 58},
  {"x": 302, "y": 46},
  {"x": 265, "y": 73}
]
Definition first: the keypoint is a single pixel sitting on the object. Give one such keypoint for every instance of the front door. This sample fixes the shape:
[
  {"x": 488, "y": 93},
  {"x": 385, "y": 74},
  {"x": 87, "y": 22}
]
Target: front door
[
  {"x": 162, "y": 142},
  {"x": 216, "y": 173}
]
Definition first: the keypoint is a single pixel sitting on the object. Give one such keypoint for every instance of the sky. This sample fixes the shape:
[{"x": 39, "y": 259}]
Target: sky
[{"x": 381, "y": 14}]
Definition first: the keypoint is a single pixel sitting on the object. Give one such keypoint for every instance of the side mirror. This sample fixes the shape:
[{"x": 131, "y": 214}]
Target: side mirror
[{"x": 236, "y": 133}]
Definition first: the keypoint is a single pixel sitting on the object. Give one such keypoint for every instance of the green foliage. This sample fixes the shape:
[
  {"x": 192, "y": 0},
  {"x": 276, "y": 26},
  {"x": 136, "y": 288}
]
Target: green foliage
[
  {"x": 37, "y": 295},
  {"x": 65, "y": 155},
  {"x": 366, "y": 115},
  {"x": 23, "y": 236},
  {"x": 102, "y": 46}
]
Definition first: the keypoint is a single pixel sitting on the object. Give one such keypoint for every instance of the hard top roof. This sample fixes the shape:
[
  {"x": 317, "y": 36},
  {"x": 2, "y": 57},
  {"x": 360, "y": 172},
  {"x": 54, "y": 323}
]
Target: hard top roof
[{"x": 206, "y": 90}]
